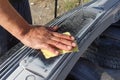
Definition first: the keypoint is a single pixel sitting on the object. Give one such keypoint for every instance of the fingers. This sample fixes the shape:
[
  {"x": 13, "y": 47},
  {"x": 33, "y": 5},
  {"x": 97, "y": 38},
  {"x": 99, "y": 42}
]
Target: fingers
[
  {"x": 50, "y": 48},
  {"x": 55, "y": 28},
  {"x": 59, "y": 45},
  {"x": 64, "y": 41},
  {"x": 68, "y": 37}
]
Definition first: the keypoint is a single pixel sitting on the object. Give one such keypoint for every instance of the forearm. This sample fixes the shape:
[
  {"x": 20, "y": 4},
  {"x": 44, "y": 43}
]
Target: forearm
[
  {"x": 12, "y": 21},
  {"x": 37, "y": 37}
]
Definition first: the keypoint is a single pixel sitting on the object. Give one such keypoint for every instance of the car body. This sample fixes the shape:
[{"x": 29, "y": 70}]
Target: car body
[{"x": 85, "y": 23}]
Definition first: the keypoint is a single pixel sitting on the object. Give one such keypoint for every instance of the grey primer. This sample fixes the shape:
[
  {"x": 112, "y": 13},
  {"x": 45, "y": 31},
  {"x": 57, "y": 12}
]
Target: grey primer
[{"x": 29, "y": 64}]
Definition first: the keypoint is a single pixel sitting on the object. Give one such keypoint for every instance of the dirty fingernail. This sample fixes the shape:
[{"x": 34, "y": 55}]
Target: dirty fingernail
[
  {"x": 73, "y": 44},
  {"x": 72, "y": 38}
]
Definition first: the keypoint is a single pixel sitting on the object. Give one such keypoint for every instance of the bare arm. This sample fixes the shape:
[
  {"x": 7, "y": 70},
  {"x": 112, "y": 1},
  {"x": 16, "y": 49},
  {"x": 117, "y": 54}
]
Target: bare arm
[
  {"x": 11, "y": 20},
  {"x": 37, "y": 37}
]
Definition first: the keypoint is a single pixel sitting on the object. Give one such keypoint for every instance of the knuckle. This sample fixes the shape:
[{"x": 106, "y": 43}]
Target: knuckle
[
  {"x": 62, "y": 39},
  {"x": 57, "y": 43},
  {"x": 48, "y": 47},
  {"x": 45, "y": 46}
]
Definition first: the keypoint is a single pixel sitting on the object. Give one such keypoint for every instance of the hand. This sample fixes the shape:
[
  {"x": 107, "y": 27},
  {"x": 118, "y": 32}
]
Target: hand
[{"x": 39, "y": 37}]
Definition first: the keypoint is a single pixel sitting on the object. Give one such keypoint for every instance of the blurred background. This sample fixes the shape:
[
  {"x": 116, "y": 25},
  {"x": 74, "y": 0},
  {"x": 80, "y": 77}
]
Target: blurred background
[{"x": 43, "y": 10}]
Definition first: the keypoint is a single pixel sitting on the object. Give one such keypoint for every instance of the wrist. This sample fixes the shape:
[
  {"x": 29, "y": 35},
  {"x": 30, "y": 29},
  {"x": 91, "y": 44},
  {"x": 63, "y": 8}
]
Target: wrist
[{"x": 23, "y": 32}]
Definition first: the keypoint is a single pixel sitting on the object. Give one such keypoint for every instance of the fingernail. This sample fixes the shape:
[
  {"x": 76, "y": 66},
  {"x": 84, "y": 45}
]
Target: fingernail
[
  {"x": 69, "y": 47},
  {"x": 57, "y": 52},
  {"x": 73, "y": 44},
  {"x": 72, "y": 38}
]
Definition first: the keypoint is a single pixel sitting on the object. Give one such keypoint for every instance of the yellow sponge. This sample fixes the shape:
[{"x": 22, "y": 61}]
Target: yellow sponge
[{"x": 49, "y": 54}]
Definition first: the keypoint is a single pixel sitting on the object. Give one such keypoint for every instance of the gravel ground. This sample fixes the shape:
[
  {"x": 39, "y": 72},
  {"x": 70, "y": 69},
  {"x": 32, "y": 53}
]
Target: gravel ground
[{"x": 43, "y": 10}]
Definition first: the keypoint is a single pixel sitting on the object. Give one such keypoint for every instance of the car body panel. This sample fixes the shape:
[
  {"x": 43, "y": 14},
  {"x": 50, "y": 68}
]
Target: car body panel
[{"x": 85, "y": 24}]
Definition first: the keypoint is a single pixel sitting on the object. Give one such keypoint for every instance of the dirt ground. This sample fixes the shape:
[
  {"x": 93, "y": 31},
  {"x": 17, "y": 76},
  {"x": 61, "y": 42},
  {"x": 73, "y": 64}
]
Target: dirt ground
[{"x": 43, "y": 10}]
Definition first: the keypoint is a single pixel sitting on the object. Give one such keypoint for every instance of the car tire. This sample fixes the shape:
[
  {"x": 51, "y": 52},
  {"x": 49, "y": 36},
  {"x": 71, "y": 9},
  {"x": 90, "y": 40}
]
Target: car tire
[{"x": 105, "y": 51}]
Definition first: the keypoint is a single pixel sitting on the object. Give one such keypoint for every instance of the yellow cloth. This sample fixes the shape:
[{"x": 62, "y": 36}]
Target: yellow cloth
[{"x": 49, "y": 54}]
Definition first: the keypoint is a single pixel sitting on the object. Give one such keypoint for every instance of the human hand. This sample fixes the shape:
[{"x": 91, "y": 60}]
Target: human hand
[{"x": 38, "y": 37}]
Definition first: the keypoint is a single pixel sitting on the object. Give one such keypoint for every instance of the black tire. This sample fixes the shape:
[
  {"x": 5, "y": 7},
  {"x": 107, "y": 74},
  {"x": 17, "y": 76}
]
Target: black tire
[
  {"x": 85, "y": 70},
  {"x": 105, "y": 51}
]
